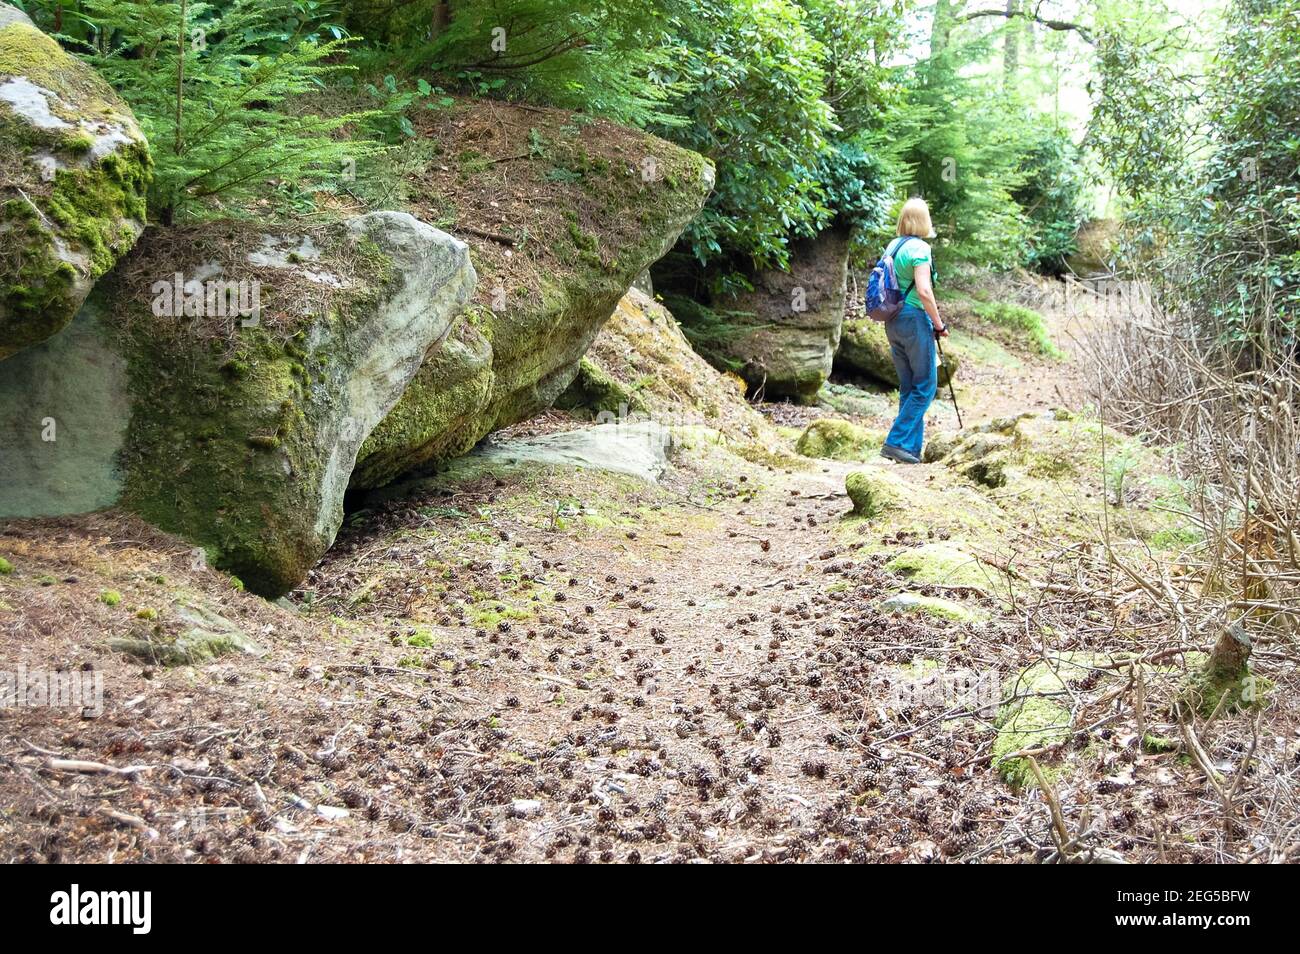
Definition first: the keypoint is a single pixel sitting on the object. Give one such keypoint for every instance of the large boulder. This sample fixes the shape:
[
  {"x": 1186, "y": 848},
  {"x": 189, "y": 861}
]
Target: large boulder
[
  {"x": 865, "y": 353},
  {"x": 781, "y": 337},
  {"x": 221, "y": 381},
  {"x": 562, "y": 216},
  {"x": 72, "y": 197}
]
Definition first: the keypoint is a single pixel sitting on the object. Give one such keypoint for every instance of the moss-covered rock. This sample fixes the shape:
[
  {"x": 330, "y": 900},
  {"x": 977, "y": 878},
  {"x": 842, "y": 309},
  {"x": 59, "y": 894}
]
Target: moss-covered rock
[
  {"x": 192, "y": 634},
  {"x": 593, "y": 392},
  {"x": 865, "y": 352},
  {"x": 76, "y": 170},
  {"x": 642, "y": 363},
  {"x": 597, "y": 222},
  {"x": 915, "y": 604},
  {"x": 237, "y": 432},
  {"x": 872, "y": 491},
  {"x": 988, "y": 454},
  {"x": 834, "y": 439},
  {"x": 1035, "y": 714},
  {"x": 942, "y": 564},
  {"x": 780, "y": 336}
]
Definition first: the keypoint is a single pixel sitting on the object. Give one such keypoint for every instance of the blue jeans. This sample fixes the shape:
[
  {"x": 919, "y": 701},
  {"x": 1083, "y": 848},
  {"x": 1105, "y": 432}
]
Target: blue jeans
[{"x": 911, "y": 339}]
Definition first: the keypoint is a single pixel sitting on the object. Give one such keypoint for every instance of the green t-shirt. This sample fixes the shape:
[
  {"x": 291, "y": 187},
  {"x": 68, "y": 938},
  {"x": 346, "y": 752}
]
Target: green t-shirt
[{"x": 915, "y": 252}]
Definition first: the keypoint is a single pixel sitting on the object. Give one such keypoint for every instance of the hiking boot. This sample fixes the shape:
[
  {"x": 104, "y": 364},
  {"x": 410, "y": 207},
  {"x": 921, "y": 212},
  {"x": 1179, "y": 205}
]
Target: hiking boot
[{"x": 898, "y": 454}]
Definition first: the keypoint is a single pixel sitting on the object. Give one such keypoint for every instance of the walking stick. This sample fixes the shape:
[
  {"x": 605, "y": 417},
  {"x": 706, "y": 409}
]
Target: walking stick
[{"x": 952, "y": 392}]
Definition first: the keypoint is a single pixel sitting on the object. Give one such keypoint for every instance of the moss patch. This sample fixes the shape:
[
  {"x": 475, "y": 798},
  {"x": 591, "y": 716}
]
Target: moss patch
[
  {"x": 1027, "y": 327},
  {"x": 1035, "y": 714}
]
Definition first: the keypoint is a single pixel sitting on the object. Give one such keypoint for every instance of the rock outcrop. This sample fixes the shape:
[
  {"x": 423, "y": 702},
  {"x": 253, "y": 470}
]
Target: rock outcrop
[
  {"x": 781, "y": 337},
  {"x": 865, "y": 352},
  {"x": 221, "y": 382},
  {"x": 584, "y": 211},
  {"x": 639, "y": 449},
  {"x": 76, "y": 169},
  {"x": 642, "y": 364}
]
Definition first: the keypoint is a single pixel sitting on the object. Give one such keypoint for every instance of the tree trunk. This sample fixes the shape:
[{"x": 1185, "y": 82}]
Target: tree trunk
[
  {"x": 441, "y": 18},
  {"x": 942, "y": 27},
  {"x": 1011, "y": 44}
]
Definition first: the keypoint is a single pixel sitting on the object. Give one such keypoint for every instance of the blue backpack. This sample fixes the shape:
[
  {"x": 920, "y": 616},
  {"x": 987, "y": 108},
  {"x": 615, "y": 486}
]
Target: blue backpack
[{"x": 884, "y": 297}]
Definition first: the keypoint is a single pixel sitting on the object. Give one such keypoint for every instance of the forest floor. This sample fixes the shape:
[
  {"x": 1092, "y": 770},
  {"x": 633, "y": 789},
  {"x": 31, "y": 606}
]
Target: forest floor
[{"x": 583, "y": 667}]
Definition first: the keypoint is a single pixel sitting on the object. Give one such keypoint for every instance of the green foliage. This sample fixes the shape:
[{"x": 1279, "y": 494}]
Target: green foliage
[
  {"x": 754, "y": 107},
  {"x": 1051, "y": 198},
  {"x": 605, "y": 57},
  {"x": 968, "y": 141},
  {"x": 238, "y": 66},
  {"x": 858, "y": 185},
  {"x": 1210, "y": 163},
  {"x": 395, "y": 99},
  {"x": 857, "y": 40}
]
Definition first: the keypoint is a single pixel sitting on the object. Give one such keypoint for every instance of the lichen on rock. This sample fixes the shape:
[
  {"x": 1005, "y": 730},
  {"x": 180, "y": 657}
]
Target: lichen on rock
[
  {"x": 77, "y": 171},
  {"x": 641, "y": 364}
]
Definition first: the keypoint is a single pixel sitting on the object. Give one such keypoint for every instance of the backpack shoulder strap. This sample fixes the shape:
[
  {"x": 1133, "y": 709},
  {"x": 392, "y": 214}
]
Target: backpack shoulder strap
[
  {"x": 893, "y": 247},
  {"x": 903, "y": 240}
]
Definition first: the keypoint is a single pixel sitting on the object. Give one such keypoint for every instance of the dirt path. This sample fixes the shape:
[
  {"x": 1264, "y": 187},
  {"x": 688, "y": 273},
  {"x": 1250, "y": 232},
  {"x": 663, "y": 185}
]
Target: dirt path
[{"x": 556, "y": 666}]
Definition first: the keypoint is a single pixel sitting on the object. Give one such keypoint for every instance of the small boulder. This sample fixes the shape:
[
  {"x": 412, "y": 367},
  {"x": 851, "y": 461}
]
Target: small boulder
[
  {"x": 987, "y": 454},
  {"x": 942, "y": 564},
  {"x": 914, "y": 604},
  {"x": 834, "y": 439},
  {"x": 204, "y": 636},
  {"x": 76, "y": 172},
  {"x": 872, "y": 492}
]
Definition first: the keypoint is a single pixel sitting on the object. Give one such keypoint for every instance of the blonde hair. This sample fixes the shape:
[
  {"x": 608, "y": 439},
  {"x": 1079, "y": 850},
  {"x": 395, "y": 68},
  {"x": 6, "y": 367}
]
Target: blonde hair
[{"x": 914, "y": 219}]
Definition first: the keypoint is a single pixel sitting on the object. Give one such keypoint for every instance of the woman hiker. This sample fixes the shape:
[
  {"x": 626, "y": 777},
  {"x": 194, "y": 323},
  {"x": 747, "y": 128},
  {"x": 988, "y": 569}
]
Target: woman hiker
[{"x": 912, "y": 333}]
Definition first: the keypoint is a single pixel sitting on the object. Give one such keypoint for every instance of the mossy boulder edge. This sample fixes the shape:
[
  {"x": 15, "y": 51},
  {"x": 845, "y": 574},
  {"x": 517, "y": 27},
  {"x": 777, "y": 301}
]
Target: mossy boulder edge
[
  {"x": 237, "y": 433},
  {"x": 77, "y": 168}
]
